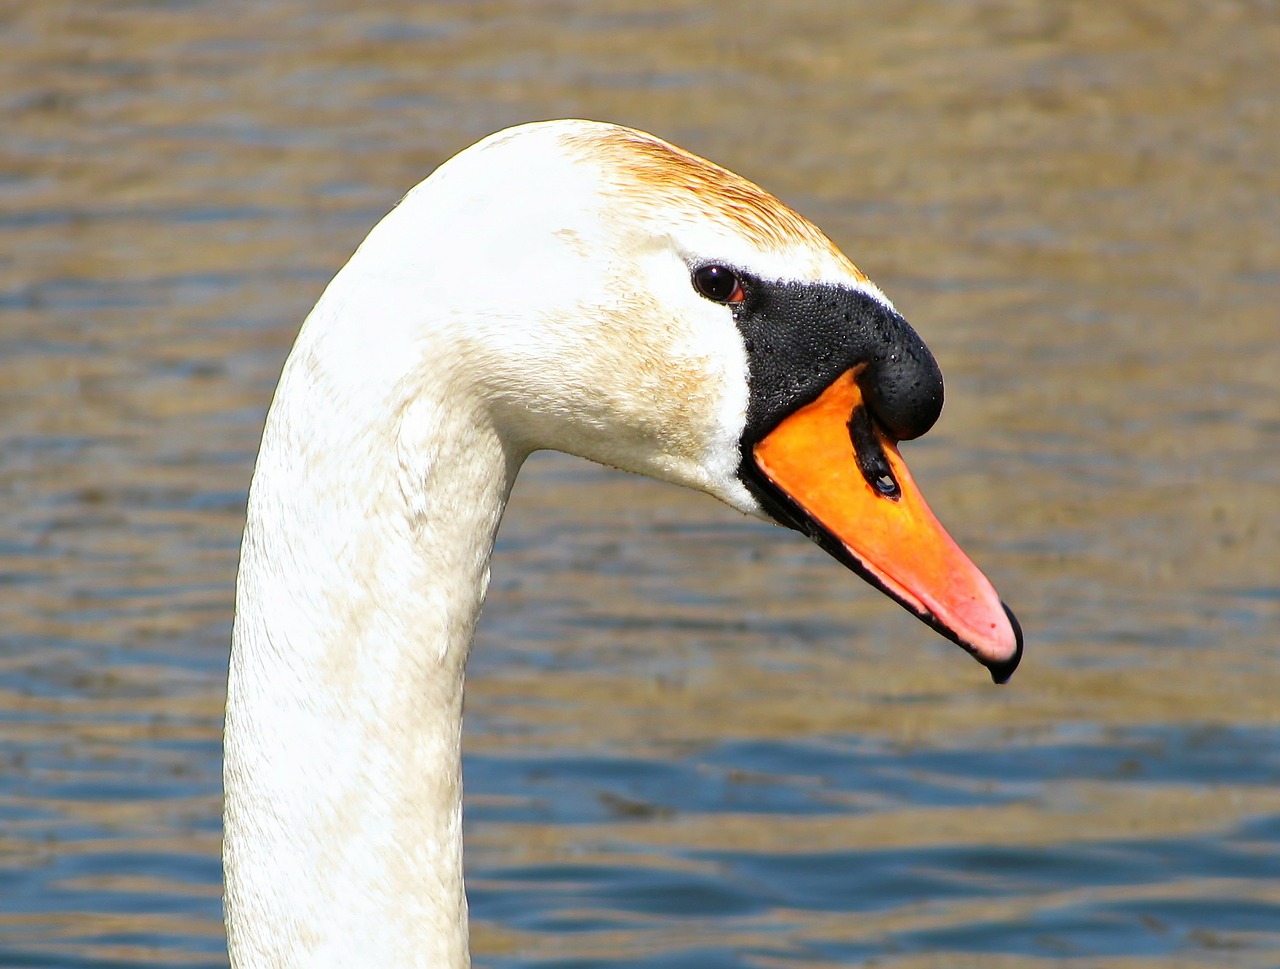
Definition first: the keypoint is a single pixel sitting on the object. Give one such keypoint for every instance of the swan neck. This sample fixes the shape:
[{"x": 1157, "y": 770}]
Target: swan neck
[{"x": 363, "y": 569}]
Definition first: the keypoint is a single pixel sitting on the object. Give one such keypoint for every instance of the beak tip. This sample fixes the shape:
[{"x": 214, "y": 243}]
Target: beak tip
[{"x": 1001, "y": 670}]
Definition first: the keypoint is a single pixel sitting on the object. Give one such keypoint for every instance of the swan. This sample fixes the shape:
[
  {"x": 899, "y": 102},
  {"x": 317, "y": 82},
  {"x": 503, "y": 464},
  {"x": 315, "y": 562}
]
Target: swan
[{"x": 570, "y": 285}]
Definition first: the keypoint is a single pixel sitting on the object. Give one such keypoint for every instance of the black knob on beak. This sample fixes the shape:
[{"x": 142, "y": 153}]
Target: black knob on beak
[{"x": 902, "y": 383}]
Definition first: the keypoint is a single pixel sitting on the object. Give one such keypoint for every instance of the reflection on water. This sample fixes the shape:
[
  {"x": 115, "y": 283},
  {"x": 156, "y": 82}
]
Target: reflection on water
[
  {"x": 692, "y": 739},
  {"x": 791, "y": 851}
]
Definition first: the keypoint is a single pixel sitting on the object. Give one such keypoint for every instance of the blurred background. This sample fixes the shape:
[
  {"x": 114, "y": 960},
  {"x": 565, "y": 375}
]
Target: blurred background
[{"x": 692, "y": 740}]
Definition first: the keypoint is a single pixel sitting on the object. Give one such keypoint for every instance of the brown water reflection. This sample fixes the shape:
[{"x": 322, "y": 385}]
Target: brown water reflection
[{"x": 1076, "y": 204}]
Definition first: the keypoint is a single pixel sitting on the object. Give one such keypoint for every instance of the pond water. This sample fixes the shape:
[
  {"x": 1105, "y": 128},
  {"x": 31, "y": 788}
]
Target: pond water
[{"x": 692, "y": 739}]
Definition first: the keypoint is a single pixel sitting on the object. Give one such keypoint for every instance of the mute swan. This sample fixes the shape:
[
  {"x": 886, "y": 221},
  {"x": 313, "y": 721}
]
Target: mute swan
[{"x": 568, "y": 285}]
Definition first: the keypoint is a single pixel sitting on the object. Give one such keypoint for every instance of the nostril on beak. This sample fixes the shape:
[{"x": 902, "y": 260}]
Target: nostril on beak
[{"x": 870, "y": 455}]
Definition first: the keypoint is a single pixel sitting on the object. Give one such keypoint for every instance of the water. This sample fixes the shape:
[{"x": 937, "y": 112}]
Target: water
[{"x": 692, "y": 740}]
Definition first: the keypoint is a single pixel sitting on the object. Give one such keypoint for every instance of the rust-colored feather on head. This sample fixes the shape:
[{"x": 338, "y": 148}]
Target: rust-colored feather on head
[{"x": 636, "y": 161}]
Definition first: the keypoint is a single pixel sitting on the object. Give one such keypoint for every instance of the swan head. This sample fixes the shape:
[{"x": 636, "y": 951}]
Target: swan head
[{"x": 605, "y": 293}]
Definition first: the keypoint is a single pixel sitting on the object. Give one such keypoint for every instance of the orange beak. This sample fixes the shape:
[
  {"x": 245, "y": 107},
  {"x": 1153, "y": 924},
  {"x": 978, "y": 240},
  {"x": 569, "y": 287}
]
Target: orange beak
[{"x": 846, "y": 475}]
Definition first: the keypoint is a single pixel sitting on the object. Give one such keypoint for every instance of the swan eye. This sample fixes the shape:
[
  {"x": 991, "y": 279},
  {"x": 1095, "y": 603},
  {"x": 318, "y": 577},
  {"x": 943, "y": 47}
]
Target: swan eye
[{"x": 718, "y": 284}]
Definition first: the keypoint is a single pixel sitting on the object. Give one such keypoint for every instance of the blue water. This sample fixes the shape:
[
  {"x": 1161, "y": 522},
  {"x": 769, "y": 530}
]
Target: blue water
[{"x": 1098, "y": 898}]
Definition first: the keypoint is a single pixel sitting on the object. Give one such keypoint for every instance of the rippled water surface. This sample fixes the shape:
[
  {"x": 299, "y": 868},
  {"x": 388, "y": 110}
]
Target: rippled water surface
[{"x": 692, "y": 739}]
